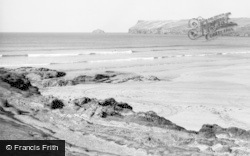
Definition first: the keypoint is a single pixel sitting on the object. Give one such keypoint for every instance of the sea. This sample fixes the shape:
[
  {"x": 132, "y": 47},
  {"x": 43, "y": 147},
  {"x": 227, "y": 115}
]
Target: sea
[{"x": 41, "y": 49}]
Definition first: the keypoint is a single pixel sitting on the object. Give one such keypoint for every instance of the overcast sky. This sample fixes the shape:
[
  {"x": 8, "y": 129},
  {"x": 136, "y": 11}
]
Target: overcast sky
[{"x": 109, "y": 15}]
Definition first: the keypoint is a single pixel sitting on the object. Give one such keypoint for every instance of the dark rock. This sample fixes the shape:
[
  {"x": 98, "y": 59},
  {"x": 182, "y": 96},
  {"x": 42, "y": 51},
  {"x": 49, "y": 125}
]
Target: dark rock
[
  {"x": 113, "y": 108},
  {"x": 108, "y": 102},
  {"x": 44, "y": 73},
  {"x": 56, "y": 104},
  {"x": 99, "y": 77},
  {"x": 120, "y": 106},
  {"x": 209, "y": 131},
  {"x": 18, "y": 81},
  {"x": 102, "y": 108},
  {"x": 80, "y": 102}
]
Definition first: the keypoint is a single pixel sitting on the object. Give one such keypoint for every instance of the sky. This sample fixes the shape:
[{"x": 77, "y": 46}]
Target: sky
[{"x": 108, "y": 15}]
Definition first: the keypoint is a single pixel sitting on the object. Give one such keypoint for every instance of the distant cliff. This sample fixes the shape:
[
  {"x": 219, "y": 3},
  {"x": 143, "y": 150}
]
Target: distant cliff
[{"x": 180, "y": 27}]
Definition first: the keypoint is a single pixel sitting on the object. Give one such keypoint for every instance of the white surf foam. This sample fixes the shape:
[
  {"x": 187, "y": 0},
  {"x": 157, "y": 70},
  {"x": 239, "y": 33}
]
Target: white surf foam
[
  {"x": 53, "y": 55},
  {"x": 188, "y": 55},
  {"x": 121, "y": 60},
  {"x": 112, "y": 52},
  {"x": 23, "y": 65},
  {"x": 114, "y": 60},
  {"x": 71, "y": 54}
]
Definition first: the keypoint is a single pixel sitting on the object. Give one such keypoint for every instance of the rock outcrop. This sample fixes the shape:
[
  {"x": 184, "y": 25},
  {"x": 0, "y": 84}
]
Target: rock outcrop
[
  {"x": 98, "y": 31},
  {"x": 92, "y": 126},
  {"x": 106, "y": 77},
  {"x": 210, "y": 131},
  {"x": 38, "y": 73},
  {"x": 11, "y": 80},
  {"x": 102, "y": 108},
  {"x": 43, "y": 77},
  {"x": 180, "y": 27}
]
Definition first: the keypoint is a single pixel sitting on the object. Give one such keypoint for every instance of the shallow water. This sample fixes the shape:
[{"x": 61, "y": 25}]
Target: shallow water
[{"x": 44, "y": 49}]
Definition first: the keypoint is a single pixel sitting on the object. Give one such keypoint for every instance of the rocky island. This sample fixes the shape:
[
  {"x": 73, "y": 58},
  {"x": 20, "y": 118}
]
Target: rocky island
[{"x": 98, "y": 31}]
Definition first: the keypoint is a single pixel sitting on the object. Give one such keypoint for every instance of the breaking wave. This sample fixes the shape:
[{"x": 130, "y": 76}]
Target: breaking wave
[
  {"x": 112, "y": 60},
  {"x": 24, "y": 65},
  {"x": 68, "y": 54}
]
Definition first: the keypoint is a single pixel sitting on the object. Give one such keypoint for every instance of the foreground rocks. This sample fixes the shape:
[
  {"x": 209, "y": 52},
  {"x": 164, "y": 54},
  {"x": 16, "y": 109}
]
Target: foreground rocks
[
  {"x": 38, "y": 73},
  {"x": 211, "y": 131},
  {"x": 17, "y": 81},
  {"x": 106, "y": 77},
  {"x": 105, "y": 126}
]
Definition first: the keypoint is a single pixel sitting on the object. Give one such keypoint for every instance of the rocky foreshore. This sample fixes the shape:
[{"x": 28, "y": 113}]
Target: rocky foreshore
[
  {"x": 93, "y": 126},
  {"x": 43, "y": 77}
]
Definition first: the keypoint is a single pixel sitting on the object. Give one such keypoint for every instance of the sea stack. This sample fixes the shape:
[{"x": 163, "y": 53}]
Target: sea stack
[{"x": 98, "y": 31}]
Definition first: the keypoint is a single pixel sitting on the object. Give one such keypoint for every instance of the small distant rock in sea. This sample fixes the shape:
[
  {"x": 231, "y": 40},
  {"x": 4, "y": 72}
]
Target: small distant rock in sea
[{"x": 98, "y": 31}]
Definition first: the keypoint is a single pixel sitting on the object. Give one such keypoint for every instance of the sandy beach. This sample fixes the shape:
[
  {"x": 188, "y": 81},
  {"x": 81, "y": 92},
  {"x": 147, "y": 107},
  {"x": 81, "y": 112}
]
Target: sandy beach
[
  {"x": 196, "y": 93},
  {"x": 210, "y": 89}
]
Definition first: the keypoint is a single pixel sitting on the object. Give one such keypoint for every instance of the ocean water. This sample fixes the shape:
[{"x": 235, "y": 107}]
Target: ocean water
[
  {"x": 41, "y": 49},
  {"x": 47, "y": 42}
]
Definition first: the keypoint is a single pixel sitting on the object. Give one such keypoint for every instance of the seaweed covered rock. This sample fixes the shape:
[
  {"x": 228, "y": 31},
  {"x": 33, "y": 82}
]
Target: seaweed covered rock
[
  {"x": 119, "y": 106},
  {"x": 101, "y": 76},
  {"x": 19, "y": 81},
  {"x": 43, "y": 73},
  {"x": 101, "y": 108},
  {"x": 52, "y": 102},
  {"x": 56, "y": 104},
  {"x": 41, "y": 77}
]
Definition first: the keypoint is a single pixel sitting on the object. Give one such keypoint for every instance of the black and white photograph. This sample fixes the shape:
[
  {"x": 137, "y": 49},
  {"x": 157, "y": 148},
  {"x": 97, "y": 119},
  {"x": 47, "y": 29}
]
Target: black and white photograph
[{"x": 125, "y": 77}]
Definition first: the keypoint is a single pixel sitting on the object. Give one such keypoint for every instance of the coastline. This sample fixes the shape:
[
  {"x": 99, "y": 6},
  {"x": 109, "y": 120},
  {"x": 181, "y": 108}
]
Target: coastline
[{"x": 197, "y": 94}]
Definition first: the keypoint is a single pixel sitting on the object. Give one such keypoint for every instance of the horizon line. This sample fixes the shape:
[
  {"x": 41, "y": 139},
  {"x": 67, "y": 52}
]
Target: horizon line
[{"x": 57, "y": 32}]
